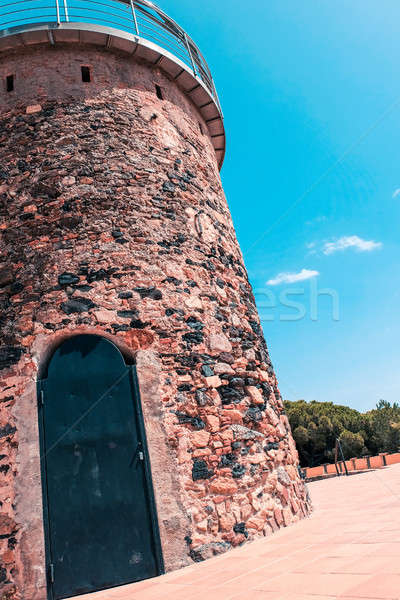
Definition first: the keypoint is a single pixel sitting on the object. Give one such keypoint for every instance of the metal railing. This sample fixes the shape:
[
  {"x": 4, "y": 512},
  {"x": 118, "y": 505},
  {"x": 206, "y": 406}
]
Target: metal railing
[
  {"x": 340, "y": 463},
  {"x": 140, "y": 18}
]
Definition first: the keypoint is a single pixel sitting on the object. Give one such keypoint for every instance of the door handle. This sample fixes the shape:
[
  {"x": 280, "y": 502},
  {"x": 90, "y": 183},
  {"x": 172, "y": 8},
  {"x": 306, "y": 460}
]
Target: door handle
[{"x": 138, "y": 454}]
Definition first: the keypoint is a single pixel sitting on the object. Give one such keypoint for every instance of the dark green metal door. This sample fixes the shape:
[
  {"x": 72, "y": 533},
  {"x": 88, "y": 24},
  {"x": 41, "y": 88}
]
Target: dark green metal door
[{"x": 100, "y": 519}]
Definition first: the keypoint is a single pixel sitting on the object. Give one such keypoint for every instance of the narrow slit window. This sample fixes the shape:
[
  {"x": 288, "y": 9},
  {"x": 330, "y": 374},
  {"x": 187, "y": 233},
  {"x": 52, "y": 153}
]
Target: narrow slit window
[
  {"x": 85, "y": 74},
  {"x": 10, "y": 83},
  {"x": 201, "y": 128},
  {"x": 159, "y": 92}
]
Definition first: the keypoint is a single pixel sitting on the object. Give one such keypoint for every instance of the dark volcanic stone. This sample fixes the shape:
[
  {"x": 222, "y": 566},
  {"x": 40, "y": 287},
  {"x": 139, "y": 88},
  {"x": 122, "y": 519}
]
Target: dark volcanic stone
[
  {"x": 9, "y": 355},
  {"x": 253, "y": 414},
  {"x": 196, "y": 422},
  {"x": 3, "y": 576},
  {"x": 240, "y": 528},
  {"x": 77, "y": 305},
  {"x": 7, "y": 430},
  {"x": 200, "y": 470},
  {"x": 227, "y": 460},
  {"x": 118, "y": 327},
  {"x": 207, "y": 371},
  {"x": 230, "y": 395},
  {"x": 194, "y": 323},
  {"x": 238, "y": 471},
  {"x": 138, "y": 324},
  {"x": 271, "y": 446},
  {"x": 185, "y": 387},
  {"x": 6, "y": 277},
  {"x": 168, "y": 186},
  {"x": 99, "y": 275},
  {"x": 151, "y": 292},
  {"x": 227, "y": 358},
  {"x": 128, "y": 314},
  {"x": 195, "y": 337},
  {"x": 67, "y": 279},
  {"x": 187, "y": 361},
  {"x": 16, "y": 288}
]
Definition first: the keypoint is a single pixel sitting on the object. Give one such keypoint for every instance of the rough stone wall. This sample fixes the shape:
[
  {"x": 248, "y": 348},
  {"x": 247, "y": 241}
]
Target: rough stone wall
[{"x": 114, "y": 221}]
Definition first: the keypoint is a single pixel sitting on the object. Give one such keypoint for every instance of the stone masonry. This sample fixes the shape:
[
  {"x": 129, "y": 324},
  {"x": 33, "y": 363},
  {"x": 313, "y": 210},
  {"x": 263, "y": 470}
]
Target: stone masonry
[{"x": 114, "y": 222}]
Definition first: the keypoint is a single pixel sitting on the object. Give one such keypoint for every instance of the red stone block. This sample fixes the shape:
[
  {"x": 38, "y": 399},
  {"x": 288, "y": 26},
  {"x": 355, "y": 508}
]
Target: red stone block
[{"x": 278, "y": 516}]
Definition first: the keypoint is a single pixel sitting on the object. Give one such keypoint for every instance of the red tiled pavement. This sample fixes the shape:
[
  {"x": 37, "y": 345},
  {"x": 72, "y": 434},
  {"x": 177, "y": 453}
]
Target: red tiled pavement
[{"x": 349, "y": 548}]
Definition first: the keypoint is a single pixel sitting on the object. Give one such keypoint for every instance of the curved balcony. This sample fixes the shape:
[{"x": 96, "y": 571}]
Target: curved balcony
[{"x": 135, "y": 26}]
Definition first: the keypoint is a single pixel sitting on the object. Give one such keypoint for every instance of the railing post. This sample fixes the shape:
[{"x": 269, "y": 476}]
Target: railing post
[
  {"x": 66, "y": 11},
  {"x": 134, "y": 17},
  {"x": 190, "y": 53},
  {"x": 58, "y": 12},
  {"x": 215, "y": 96},
  {"x": 342, "y": 455}
]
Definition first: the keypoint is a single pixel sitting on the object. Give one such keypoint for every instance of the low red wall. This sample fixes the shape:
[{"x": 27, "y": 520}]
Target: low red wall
[
  {"x": 315, "y": 471},
  {"x": 376, "y": 462},
  {"x": 392, "y": 459},
  {"x": 354, "y": 464},
  {"x": 330, "y": 469}
]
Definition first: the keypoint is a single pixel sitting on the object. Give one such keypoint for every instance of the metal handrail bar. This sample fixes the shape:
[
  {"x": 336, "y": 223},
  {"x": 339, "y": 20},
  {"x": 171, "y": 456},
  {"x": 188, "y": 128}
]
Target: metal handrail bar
[
  {"x": 12, "y": 12},
  {"x": 115, "y": 24},
  {"x": 115, "y": 10},
  {"x": 148, "y": 24},
  {"x": 124, "y": 10},
  {"x": 30, "y": 20},
  {"x": 18, "y": 2},
  {"x": 99, "y": 12},
  {"x": 169, "y": 31},
  {"x": 133, "y": 10},
  {"x": 166, "y": 41}
]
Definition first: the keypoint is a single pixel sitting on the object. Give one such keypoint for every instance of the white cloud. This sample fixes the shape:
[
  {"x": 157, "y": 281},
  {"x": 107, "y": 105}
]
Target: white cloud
[
  {"x": 293, "y": 277},
  {"x": 396, "y": 193},
  {"x": 351, "y": 241}
]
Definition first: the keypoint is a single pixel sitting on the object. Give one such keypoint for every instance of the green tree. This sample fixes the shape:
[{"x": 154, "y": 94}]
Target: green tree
[
  {"x": 352, "y": 443},
  {"x": 384, "y": 422},
  {"x": 317, "y": 425}
]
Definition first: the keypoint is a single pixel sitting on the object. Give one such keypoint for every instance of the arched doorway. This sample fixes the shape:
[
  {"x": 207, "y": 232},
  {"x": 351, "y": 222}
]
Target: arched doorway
[{"x": 100, "y": 518}]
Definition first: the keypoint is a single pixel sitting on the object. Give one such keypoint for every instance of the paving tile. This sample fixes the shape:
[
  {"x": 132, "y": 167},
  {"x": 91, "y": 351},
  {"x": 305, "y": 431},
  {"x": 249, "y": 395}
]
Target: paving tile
[
  {"x": 380, "y": 586},
  {"x": 353, "y": 549},
  {"x": 318, "y": 583},
  {"x": 249, "y": 595}
]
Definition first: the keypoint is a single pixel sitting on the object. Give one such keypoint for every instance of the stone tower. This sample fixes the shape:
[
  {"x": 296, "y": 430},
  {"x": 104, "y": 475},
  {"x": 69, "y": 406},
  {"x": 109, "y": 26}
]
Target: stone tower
[{"x": 114, "y": 225}]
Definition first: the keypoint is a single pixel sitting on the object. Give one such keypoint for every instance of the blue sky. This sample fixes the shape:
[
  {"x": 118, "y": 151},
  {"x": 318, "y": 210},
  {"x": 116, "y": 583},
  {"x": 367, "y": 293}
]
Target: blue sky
[{"x": 311, "y": 97}]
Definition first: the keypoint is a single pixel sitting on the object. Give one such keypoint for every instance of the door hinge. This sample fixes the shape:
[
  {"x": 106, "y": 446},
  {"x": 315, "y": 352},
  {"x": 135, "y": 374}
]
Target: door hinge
[
  {"x": 51, "y": 573},
  {"x": 41, "y": 398}
]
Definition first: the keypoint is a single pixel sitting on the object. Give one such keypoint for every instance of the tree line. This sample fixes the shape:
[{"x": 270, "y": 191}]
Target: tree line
[{"x": 317, "y": 425}]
